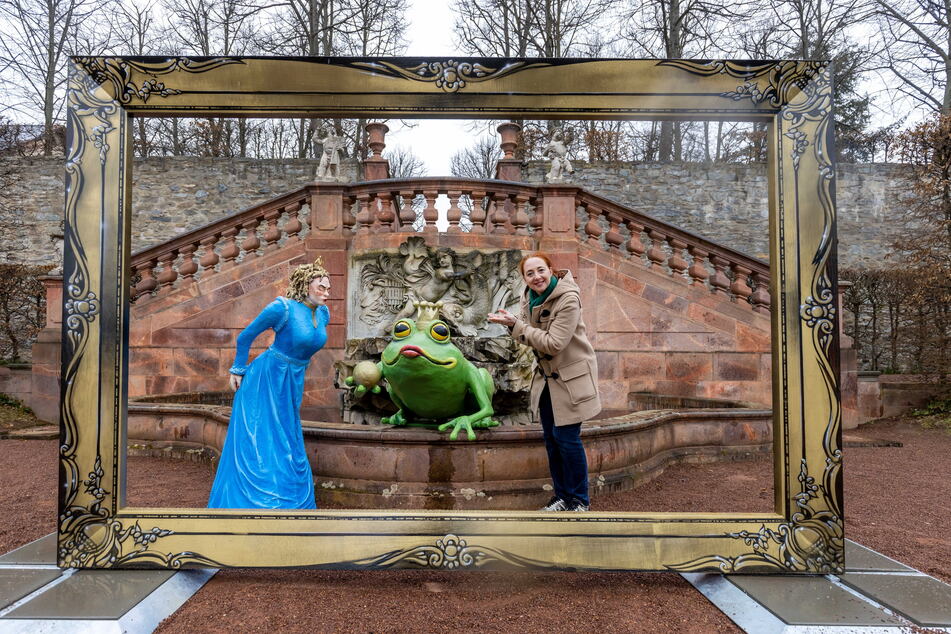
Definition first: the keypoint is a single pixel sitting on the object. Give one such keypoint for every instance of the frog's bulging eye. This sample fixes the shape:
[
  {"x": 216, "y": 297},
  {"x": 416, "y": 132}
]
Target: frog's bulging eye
[
  {"x": 439, "y": 332},
  {"x": 401, "y": 329}
]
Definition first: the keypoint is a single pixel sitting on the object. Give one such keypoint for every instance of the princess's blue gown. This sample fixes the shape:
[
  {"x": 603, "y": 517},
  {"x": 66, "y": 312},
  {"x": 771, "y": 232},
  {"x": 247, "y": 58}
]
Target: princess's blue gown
[{"x": 263, "y": 463}]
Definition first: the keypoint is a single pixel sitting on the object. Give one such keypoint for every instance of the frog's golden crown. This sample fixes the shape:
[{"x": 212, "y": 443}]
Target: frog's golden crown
[{"x": 427, "y": 311}]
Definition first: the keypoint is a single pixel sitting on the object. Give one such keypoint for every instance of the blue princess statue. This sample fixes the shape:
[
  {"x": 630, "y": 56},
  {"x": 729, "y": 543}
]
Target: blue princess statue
[{"x": 263, "y": 463}]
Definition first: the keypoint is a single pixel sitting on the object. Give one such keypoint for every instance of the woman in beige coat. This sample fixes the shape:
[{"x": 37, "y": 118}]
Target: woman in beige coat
[{"x": 564, "y": 389}]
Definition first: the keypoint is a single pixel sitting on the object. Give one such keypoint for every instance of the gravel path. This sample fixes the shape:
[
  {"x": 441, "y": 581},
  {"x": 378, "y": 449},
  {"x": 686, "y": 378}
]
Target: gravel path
[{"x": 896, "y": 503}]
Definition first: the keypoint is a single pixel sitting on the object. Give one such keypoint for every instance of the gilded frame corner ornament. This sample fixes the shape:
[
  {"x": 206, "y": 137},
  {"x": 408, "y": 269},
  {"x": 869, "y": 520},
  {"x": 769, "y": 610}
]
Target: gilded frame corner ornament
[{"x": 805, "y": 534}]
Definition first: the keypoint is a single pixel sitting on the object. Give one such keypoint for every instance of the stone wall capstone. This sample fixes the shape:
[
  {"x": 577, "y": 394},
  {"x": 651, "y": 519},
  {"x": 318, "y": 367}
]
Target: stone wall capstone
[{"x": 722, "y": 202}]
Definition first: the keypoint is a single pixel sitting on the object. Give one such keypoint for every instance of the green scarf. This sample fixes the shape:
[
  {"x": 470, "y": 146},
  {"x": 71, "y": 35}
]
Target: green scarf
[{"x": 534, "y": 299}]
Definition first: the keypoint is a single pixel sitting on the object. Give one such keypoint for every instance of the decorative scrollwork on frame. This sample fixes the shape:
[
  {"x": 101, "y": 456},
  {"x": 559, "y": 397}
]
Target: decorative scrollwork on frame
[
  {"x": 802, "y": 89},
  {"x": 450, "y": 75},
  {"x": 818, "y": 313},
  {"x": 449, "y": 553},
  {"x": 116, "y": 72},
  {"x": 90, "y": 537},
  {"x": 812, "y": 541}
]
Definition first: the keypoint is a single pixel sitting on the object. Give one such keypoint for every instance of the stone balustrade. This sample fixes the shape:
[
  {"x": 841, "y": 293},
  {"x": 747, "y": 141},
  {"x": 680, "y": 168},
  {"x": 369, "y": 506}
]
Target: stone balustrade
[
  {"x": 409, "y": 205},
  {"x": 474, "y": 207},
  {"x": 603, "y": 223},
  {"x": 219, "y": 245}
]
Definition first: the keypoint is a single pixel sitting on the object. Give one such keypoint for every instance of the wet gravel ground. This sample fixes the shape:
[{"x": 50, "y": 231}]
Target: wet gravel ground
[{"x": 896, "y": 503}]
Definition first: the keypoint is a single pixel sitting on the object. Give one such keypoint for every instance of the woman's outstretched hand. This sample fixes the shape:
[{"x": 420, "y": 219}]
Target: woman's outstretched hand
[
  {"x": 503, "y": 317},
  {"x": 235, "y": 381}
]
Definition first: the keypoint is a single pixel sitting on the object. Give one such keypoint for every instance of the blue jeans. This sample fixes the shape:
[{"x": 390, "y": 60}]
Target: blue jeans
[{"x": 566, "y": 459}]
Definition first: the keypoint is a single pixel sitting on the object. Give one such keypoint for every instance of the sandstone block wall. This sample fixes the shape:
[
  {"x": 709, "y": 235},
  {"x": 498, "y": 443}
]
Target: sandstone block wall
[{"x": 658, "y": 334}]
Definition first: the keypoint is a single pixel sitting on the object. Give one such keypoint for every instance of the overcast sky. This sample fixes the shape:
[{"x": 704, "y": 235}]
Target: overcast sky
[{"x": 434, "y": 140}]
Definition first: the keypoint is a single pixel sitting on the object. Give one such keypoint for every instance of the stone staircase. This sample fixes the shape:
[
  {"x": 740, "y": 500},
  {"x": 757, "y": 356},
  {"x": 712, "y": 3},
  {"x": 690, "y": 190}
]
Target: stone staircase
[{"x": 670, "y": 312}]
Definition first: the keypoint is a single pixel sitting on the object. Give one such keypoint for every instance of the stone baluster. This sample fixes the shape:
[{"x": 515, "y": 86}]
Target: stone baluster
[
  {"x": 740, "y": 289},
  {"x": 168, "y": 275},
  {"x": 273, "y": 233},
  {"x": 538, "y": 217},
  {"x": 230, "y": 250},
  {"x": 656, "y": 253},
  {"x": 251, "y": 243},
  {"x": 478, "y": 214},
  {"x": 454, "y": 214},
  {"x": 520, "y": 217},
  {"x": 613, "y": 237},
  {"x": 500, "y": 217},
  {"x": 678, "y": 265},
  {"x": 188, "y": 267},
  {"x": 209, "y": 259},
  {"x": 348, "y": 219},
  {"x": 364, "y": 215},
  {"x": 720, "y": 283},
  {"x": 293, "y": 225},
  {"x": 430, "y": 213},
  {"x": 592, "y": 228},
  {"x": 386, "y": 217},
  {"x": 760, "y": 297},
  {"x": 407, "y": 216},
  {"x": 698, "y": 270},
  {"x": 147, "y": 282},
  {"x": 635, "y": 246}
]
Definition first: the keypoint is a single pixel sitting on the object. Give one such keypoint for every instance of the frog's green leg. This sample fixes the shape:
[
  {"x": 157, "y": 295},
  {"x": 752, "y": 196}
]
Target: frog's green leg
[
  {"x": 482, "y": 387},
  {"x": 398, "y": 418}
]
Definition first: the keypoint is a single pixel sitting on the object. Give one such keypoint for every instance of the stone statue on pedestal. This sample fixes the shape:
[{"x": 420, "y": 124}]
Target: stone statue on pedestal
[
  {"x": 328, "y": 170},
  {"x": 557, "y": 151}
]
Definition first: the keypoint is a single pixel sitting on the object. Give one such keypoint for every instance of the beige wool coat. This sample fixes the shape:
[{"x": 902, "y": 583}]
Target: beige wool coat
[{"x": 566, "y": 359}]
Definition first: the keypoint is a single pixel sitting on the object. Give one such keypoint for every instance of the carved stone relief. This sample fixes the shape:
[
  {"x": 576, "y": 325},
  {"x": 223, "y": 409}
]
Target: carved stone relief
[{"x": 469, "y": 284}]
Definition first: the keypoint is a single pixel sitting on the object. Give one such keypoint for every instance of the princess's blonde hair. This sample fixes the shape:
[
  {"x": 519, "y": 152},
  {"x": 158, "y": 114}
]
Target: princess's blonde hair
[{"x": 301, "y": 278}]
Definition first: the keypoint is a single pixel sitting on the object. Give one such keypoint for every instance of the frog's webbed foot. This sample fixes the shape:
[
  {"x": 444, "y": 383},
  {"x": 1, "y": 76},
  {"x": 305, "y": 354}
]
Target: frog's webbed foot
[
  {"x": 395, "y": 419},
  {"x": 485, "y": 423},
  {"x": 461, "y": 422}
]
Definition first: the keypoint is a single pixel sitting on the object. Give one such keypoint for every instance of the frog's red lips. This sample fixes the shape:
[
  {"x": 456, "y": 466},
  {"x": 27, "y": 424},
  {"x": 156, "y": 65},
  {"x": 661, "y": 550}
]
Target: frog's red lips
[{"x": 411, "y": 352}]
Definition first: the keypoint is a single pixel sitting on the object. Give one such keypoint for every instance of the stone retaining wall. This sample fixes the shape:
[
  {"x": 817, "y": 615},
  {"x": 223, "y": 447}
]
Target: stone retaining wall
[{"x": 725, "y": 203}]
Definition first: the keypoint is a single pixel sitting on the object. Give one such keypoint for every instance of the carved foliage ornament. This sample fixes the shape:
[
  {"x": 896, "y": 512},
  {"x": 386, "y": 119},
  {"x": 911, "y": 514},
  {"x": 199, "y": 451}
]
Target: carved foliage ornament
[
  {"x": 116, "y": 73},
  {"x": 449, "y": 553},
  {"x": 450, "y": 75}
]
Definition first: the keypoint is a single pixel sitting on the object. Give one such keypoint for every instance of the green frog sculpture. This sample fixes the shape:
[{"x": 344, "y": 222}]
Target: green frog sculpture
[{"x": 428, "y": 378}]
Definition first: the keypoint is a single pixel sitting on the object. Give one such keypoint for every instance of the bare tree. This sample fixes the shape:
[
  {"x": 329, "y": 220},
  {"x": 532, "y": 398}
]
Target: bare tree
[
  {"x": 676, "y": 29},
  {"x": 495, "y": 28},
  {"x": 820, "y": 29},
  {"x": 138, "y": 32},
  {"x": 404, "y": 163},
  {"x": 476, "y": 161},
  {"x": 917, "y": 49},
  {"x": 219, "y": 27},
  {"x": 35, "y": 43}
]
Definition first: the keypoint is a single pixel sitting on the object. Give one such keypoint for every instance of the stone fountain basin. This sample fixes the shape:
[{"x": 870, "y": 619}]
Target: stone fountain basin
[{"x": 379, "y": 466}]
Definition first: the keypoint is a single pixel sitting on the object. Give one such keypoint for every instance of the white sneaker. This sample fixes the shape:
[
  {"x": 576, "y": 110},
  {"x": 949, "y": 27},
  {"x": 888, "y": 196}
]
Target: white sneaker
[{"x": 555, "y": 504}]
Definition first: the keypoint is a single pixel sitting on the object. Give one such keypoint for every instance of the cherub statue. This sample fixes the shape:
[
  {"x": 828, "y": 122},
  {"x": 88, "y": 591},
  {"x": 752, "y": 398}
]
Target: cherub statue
[
  {"x": 329, "y": 167},
  {"x": 557, "y": 151}
]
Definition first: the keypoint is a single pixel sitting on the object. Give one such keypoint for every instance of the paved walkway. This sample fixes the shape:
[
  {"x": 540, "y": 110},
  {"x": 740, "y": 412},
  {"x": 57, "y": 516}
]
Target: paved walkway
[{"x": 876, "y": 594}]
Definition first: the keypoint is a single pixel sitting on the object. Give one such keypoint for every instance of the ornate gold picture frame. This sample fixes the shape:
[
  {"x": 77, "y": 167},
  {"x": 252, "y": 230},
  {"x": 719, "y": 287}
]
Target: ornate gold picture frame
[{"x": 794, "y": 98}]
